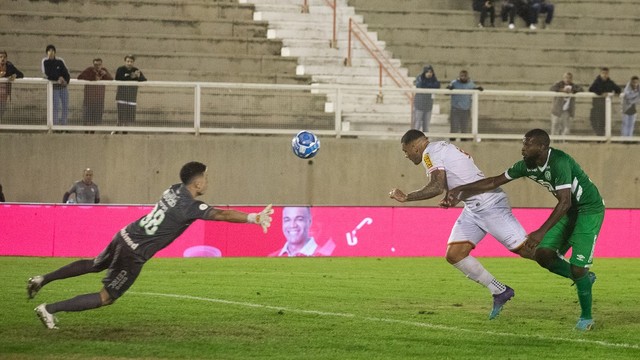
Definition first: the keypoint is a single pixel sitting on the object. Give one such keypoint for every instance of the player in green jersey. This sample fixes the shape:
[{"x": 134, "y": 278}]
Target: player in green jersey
[{"x": 574, "y": 223}]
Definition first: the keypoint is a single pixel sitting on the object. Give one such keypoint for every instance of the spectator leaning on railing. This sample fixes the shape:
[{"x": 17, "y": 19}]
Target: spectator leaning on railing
[
  {"x": 630, "y": 97},
  {"x": 563, "y": 108},
  {"x": 93, "y": 104},
  {"x": 423, "y": 103},
  {"x": 9, "y": 72},
  {"x": 602, "y": 86},
  {"x": 126, "y": 96},
  {"x": 461, "y": 104},
  {"x": 55, "y": 70}
]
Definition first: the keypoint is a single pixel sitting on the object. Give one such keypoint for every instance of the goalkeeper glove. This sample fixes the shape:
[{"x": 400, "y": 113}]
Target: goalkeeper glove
[{"x": 263, "y": 218}]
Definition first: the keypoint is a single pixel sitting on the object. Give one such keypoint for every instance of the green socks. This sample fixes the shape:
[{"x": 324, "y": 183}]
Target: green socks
[{"x": 583, "y": 285}]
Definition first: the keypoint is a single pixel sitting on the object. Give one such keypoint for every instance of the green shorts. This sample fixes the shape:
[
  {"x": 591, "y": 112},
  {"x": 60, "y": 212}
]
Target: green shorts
[{"x": 578, "y": 232}]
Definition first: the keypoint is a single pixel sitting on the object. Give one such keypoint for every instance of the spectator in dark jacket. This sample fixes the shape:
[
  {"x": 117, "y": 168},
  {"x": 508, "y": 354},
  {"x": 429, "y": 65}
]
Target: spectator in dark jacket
[
  {"x": 55, "y": 70},
  {"x": 485, "y": 8},
  {"x": 126, "y": 96},
  {"x": 537, "y": 7},
  {"x": 423, "y": 103},
  {"x": 10, "y": 73},
  {"x": 511, "y": 8},
  {"x": 602, "y": 86}
]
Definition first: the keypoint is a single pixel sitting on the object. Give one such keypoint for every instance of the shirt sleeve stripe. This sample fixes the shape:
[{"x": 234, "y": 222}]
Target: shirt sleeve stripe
[{"x": 564, "y": 186}]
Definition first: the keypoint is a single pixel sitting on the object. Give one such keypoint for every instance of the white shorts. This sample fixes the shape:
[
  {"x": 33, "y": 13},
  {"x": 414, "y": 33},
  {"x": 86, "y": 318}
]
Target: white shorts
[{"x": 497, "y": 220}]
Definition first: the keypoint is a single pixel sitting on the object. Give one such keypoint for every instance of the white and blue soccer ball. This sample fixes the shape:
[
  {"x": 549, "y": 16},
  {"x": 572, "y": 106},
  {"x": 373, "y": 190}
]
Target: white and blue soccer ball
[{"x": 305, "y": 144}]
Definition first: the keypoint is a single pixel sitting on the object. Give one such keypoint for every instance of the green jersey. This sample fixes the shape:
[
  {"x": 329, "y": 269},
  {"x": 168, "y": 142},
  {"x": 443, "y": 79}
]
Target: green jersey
[{"x": 562, "y": 172}]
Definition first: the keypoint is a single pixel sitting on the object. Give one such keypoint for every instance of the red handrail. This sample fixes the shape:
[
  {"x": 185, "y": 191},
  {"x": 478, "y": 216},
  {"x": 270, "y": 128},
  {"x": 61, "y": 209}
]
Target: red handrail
[
  {"x": 384, "y": 63},
  {"x": 333, "y": 5}
]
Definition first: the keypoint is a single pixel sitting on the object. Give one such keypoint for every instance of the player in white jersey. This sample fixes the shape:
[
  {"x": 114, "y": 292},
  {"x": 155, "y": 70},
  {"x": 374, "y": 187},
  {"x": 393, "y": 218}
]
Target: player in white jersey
[{"x": 489, "y": 212}]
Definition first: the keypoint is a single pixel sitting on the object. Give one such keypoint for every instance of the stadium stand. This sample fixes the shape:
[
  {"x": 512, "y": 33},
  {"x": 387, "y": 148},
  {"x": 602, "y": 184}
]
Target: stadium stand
[
  {"x": 192, "y": 40},
  {"x": 584, "y": 36},
  {"x": 272, "y": 42}
]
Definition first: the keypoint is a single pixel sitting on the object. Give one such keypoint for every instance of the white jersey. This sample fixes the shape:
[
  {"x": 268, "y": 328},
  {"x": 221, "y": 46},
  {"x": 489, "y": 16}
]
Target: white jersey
[{"x": 460, "y": 170}]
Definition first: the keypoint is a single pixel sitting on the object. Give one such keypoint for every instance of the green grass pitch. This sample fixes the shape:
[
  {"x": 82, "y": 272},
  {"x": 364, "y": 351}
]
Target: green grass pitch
[{"x": 323, "y": 308}]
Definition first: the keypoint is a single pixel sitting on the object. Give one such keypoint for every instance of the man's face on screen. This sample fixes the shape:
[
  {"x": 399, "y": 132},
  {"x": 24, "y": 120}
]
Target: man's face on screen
[{"x": 296, "y": 222}]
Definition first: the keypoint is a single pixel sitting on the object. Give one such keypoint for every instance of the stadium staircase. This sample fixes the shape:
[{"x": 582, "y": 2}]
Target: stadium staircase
[{"x": 307, "y": 34}]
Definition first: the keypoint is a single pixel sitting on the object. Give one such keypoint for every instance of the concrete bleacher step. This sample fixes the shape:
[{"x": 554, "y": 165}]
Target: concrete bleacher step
[
  {"x": 607, "y": 8},
  {"x": 352, "y": 80},
  {"x": 468, "y": 18},
  {"x": 133, "y": 24},
  {"x": 357, "y": 61},
  {"x": 512, "y": 53},
  {"x": 400, "y": 33},
  {"x": 190, "y": 9},
  {"x": 176, "y": 43},
  {"x": 279, "y": 12},
  {"x": 199, "y": 63},
  {"x": 339, "y": 71},
  {"x": 204, "y": 76},
  {"x": 412, "y": 4}
]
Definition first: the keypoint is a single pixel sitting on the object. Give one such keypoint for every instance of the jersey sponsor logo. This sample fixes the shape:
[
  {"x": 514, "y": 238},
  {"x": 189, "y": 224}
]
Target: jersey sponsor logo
[
  {"x": 120, "y": 280},
  {"x": 427, "y": 161},
  {"x": 127, "y": 239},
  {"x": 580, "y": 257}
]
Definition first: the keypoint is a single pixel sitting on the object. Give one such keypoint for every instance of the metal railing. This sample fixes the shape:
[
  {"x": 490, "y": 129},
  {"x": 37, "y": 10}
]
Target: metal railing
[
  {"x": 384, "y": 63},
  {"x": 240, "y": 108}
]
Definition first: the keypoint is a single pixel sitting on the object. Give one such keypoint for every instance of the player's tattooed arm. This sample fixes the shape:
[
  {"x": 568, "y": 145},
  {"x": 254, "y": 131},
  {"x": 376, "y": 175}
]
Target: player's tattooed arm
[{"x": 435, "y": 187}]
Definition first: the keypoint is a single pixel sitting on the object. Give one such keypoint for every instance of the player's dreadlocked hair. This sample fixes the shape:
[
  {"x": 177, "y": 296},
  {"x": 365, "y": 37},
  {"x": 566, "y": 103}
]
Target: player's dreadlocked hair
[
  {"x": 540, "y": 136},
  {"x": 411, "y": 135},
  {"x": 191, "y": 170}
]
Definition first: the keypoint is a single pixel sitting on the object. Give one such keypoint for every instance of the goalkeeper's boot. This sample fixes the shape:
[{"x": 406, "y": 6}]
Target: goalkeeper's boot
[
  {"x": 48, "y": 320},
  {"x": 34, "y": 285},
  {"x": 585, "y": 324},
  {"x": 499, "y": 300}
]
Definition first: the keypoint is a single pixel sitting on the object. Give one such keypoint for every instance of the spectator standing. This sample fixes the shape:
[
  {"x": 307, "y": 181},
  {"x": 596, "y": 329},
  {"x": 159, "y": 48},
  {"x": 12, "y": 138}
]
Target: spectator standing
[
  {"x": 85, "y": 190},
  {"x": 56, "y": 70},
  {"x": 630, "y": 97},
  {"x": 601, "y": 86},
  {"x": 126, "y": 96},
  {"x": 461, "y": 104},
  {"x": 9, "y": 72},
  {"x": 93, "y": 104},
  {"x": 563, "y": 108},
  {"x": 486, "y": 8},
  {"x": 423, "y": 103},
  {"x": 537, "y": 7}
]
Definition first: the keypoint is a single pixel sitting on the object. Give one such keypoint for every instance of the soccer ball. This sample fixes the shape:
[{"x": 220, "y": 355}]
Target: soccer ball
[{"x": 305, "y": 144}]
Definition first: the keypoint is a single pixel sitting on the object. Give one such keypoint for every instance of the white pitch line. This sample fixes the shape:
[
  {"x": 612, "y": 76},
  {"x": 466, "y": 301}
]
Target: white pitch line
[{"x": 394, "y": 321}]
